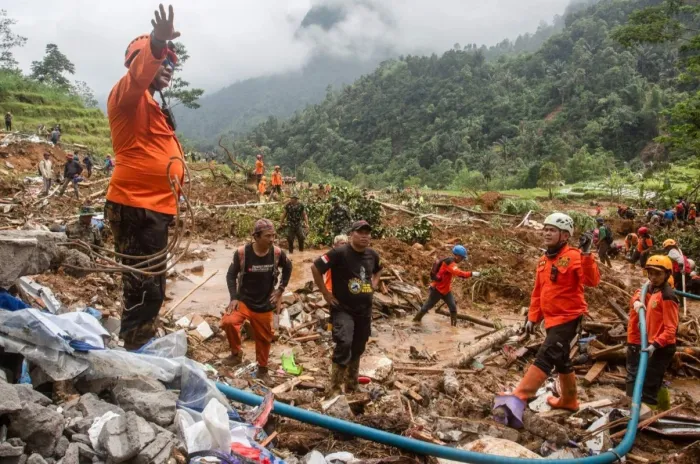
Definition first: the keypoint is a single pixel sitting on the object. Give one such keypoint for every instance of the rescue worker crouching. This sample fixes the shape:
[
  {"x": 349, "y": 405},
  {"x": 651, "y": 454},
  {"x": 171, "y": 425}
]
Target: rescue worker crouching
[
  {"x": 443, "y": 272},
  {"x": 83, "y": 229},
  {"x": 558, "y": 299}
]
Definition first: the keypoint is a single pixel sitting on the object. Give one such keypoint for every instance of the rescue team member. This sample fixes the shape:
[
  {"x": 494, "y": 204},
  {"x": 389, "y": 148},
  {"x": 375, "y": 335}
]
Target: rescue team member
[
  {"x": 276, "y": 181},
  {"x": 644, "y": 246},
  {"x": 631, "y": 242},
  {"x": 442, "y": 274},
  {"x": 605, "y": 239},
  {"x": 71, "y": 175},
  {"x": 558, "y": 299},
  {"x": 339, "y": 219},
  {"x": 251, "y": 280},
  {"x": 678, "y": 260},
  {"x": 83, "y": 229},
  {"x": 692, "y": 214},
  {"x": 262, "y": 188},
  {"x": 259, "y": 168},
  {"x": 46, "y": 171},
  {"x": 140, "y": 203},
  {"x": 338, "y": 241},
  {"x": 661, "y": 308},
  {"x": 297, "y": 222},
  {"x": 355, "y": 274}
]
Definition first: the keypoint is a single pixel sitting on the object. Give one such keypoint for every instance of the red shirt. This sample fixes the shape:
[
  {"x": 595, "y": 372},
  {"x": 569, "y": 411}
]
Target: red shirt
[
  {"x": 448, "y": 270},
  {"x": 562, "y": 301}
]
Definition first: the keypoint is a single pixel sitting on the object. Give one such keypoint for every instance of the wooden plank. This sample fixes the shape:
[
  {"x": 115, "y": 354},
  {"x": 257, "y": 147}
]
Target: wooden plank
[
  {"x": 269, "y": 439},
  {"x": 430, "y": 370},
  {"x": 291, "y": 383},
  {"x": 593, "y": 404},
  {"x": 612, "y": 349},
  {"x": 408, "y": 392},
  {"x": 307, "y": 338},
  {"x": 619, "y": 311},
  {"x": 594, "y": 372}
]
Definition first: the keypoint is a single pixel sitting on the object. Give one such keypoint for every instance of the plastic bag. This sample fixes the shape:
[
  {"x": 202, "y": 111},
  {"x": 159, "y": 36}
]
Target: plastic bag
[
  {"x": 216, "y": 419},
  {"x": 173, "y": 345},
  {"x": 196, "y": 390},
  {"x": 58, "y": 365}
]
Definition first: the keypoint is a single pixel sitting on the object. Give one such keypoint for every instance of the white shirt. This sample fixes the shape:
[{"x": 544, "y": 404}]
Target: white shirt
[
  {"x": 46, "y": 168},
  {"x": 677, "y": 256}
]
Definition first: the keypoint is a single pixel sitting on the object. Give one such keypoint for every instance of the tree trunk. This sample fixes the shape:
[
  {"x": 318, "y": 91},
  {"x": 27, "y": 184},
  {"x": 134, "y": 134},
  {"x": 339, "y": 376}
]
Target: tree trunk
[{"x": 486, "y": 343}]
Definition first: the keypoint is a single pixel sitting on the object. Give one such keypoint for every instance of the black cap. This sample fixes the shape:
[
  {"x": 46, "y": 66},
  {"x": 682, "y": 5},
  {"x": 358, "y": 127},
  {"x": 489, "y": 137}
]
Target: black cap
[{"x": 359, "y": 225}]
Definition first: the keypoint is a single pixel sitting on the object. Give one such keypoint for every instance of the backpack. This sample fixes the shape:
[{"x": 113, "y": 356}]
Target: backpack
[
  {"x": 608, "y": 235},
  {"x": 275, "y": 269},
  {"x": 436, "y": 268}
]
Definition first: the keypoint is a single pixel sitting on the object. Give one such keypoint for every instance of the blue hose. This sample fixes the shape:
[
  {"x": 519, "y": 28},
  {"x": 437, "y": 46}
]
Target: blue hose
[
  {"x": 454, "y": 454},
  {"x": 687, "y": 295}
]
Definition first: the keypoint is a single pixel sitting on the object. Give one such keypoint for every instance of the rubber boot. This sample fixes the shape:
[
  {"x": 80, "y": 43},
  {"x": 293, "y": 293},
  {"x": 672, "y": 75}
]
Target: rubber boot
[
  {"x": 418, "y": 317},
  {"x": 233, "y": 360},
  {"x": 262, "y": 374},
  {"x": 567, "y": 398},
  {"x": 337, "y": 377},
  {"x": 530, "y": 383},
  {"x": 351, "y": 383}
]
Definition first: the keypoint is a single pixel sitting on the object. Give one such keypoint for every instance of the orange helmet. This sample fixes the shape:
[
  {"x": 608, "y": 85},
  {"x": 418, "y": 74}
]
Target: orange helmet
[
  {"x": 141, "y": 42},
  {"x": 659, "y": 262}
]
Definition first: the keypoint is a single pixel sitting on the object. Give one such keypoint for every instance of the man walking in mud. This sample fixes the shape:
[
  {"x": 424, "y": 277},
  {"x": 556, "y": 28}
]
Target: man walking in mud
[
  {"x": 251, "y": 280},
  {"x": 339, "y": 218},
  {"x": 355, "y": 271},
  {"x": 297, "y": 222},
  {"x": 140, "y": 202}
]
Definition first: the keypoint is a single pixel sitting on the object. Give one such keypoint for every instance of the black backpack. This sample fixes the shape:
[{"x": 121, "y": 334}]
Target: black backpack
[
  {"x": 608, "y": 235},
  {"x": 436, "y": 268}
]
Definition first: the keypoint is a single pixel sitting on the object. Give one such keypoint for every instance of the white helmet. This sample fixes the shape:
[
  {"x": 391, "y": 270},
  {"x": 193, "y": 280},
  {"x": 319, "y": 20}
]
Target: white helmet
[{"x": 561, "y": 221}]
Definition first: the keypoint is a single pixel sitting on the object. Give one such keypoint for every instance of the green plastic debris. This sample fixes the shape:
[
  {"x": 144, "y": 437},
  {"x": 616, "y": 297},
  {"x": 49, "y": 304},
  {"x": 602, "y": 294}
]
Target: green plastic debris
[{"x": 288, "y": 364}]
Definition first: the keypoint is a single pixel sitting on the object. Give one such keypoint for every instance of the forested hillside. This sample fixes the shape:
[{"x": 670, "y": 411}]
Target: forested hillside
[{"x": 582, "y": 102}]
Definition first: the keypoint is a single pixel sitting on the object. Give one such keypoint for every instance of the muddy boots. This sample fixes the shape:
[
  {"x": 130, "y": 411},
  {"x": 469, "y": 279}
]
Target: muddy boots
[
  {"x": 233, "y": 360},
  {"x": 419, "y": 316},
  {"x": 353, "y": 371},
  {"x": 530, "y": 383},
  {"x": 567, "y": 398},
  {"x": 337, "y": 377},
  {"x": 263, "y": 375}
]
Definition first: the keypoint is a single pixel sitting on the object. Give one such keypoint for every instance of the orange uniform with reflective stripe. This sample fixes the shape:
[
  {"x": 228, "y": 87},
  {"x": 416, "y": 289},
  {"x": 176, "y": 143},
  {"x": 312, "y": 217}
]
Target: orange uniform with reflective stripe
[
  {"x": 661, "y": 317},
  {"x": 644, "y": 243},
  {"x": 262, "y": 187},
  {"x": 259, "y": 166},
  {"x": 143, "y": 141},
  {"x": 276, "y": 178},
  {"x": 562, "y": 301},
  {"x": 445, "y": 275}
]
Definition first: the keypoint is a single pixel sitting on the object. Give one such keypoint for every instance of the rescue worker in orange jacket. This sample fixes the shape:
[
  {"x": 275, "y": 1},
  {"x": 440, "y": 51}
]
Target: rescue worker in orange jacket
[
  {"x": 276, "y": 181},
  {"x": 692, "y": 213},
  {"x": 441, "y": 286},
  {"x": 661, "y": 306},
  {"x": 631, "y": 242},
  {"x": 644, "y": 246},
  {"x": 557, "y": 299},
  {"x": 140, "y": 203},
  {"x": 262, "y": 188},
  {"x": 259, "y": 168}
]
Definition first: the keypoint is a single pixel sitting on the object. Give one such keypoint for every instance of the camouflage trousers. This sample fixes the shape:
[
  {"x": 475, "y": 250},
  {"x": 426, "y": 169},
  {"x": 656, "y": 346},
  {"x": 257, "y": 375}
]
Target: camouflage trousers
[{"x": 139, "y": 232}]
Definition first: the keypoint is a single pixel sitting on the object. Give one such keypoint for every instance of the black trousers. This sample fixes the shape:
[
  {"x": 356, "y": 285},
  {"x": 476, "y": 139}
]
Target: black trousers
[
  {"x": 656, "y": 368},
  {"x": 8, "y": 126},
  {"x": 351, "y": 330},
  {"x": 434, "y": 296},
  {"x": 139, "y": 232},
  {"x": 603, "y": 248},
  {"x": 295, "y": 232},
  {"x": 554, "y": 352}
]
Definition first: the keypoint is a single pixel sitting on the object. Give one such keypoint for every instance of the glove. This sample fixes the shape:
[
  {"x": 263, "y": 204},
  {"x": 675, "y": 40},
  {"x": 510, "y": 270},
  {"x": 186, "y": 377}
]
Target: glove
[
  {"x": 529, "y": 327},
  {"x": 585, "y": 242},
  {"x": 637, "y": 305},
  {"x": 476, "y": 274},
  {"x": 650, "y": 349},
  {"x": 453, "y": 319}
]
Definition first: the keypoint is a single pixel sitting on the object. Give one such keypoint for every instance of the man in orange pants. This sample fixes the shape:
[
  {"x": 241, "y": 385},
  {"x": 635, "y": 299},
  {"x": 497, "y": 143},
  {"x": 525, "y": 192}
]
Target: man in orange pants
[
  {"x": 558, "y": 299},
  {"x": 276, "y": 182},
  {"x": 259, "y": 168},
  {"x": 251, "y": 280}
]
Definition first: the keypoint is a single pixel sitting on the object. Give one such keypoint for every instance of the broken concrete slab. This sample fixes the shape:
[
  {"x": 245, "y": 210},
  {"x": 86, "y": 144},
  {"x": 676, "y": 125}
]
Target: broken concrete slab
[
  {"x": 338, "y": 407},
  {"x": 61, "y": 447},
  {"x": 115, "y": 441},
  {"x": 28, "y": 252},
  {"x": 8, "y": 450},
  {"x": 9, "y": 399},
  {"x": 156, "y": 407},
  {"x": 158, "y": 452},
  {"x": 138, "y": 430},
  {"x": 36, "y": 459},
  {"x": 91, "y": 406},
  {"x": 72, "y": 455},
  {"x": 376, "y": 367},
  {"x": 100, "y": 386},
  {"x": 27, "y": 394},
  {"x": 39, "y": 427},
  {"x": 86, "y": 453}
]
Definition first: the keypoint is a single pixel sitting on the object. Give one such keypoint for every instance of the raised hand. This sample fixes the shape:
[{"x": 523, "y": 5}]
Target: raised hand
[{"x": 163, "y": 28}]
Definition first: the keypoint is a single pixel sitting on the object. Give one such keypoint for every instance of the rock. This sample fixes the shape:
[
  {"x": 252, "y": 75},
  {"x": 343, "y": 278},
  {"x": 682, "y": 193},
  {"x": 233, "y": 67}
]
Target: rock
[
  {"x": 72, "y": 455},
  {"x": 61, "y": 447},
  {"x": 77, "y": 259},
  {"x": 156, "y": 407},
  {"x": 27, "y": 252},
  {"x": 138, "y": 430},
  {"x": 288, "y": 298},
  {"x": 450, "y": 382},
  {"x": 500, "y": 447},
  {"x": 91, "y": 406},
  {"x": 338, "y": 407},
  {"x": 86, "y": 453},
  {"x": 376, "y": 367},
  {"x": 451, "y": 435},
  {"x": 99, "y": 386},
  {"x": 158, "y": 452},
  {"x": 9, "y": 399},
  {"x": 115, "y": 441},
  {"x": 28, "y": 395},
  {"x": 80, "y": 438},
  {"x": 35, "y": 459},
  {"x": 39, "y": 427},
  {"x": 7, "y": 450},
  {"x": 313, "y": 457}
]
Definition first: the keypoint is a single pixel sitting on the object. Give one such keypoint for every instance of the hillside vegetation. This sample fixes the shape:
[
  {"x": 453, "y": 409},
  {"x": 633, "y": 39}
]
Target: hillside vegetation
[
  {"x": 33, "y": 103},
  {"x": 582, "y": 102}
]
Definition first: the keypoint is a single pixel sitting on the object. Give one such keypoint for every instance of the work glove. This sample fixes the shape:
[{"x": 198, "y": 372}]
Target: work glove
[
  {"x": 637, "y": 305},
  {"x": 585, "y": 242},
  {"x": 650, "y": 349},
  {"x": 476, "y": 273},
  {"x": 529, "y": 327},
  {"x": 453, "y": 319}
]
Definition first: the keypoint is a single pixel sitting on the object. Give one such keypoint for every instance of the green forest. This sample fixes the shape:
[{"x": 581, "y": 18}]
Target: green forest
[{"x": 598, "y": 96}]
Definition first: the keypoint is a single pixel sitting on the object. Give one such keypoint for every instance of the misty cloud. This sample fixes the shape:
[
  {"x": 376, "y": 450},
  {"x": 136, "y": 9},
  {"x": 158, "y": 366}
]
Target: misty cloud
[{"x": 239, "y": 39}]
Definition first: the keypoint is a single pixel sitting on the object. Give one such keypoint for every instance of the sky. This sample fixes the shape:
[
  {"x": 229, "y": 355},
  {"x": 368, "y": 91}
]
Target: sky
[{"x": 238, "y": 39}]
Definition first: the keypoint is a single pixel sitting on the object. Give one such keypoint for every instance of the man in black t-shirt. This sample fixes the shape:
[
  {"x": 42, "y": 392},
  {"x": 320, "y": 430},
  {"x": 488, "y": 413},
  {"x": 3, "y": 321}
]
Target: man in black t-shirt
[
  {"x": 251, "y": 280},
  {"x": 355, "y": 274}
]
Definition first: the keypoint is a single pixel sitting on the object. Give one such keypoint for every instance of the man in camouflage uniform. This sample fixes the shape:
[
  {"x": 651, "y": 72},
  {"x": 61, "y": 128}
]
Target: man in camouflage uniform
[
  {"x": 339, "y": 219},
  {"x": 83, "y": 229},
  {"x": 297, "y": 222}
]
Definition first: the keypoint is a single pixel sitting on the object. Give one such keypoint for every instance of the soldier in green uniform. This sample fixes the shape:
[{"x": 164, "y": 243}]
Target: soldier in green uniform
[
  {"x": 339, "y": 219},
  {"x": 83, "y": 229},
  {"x": 294, "y": 216}
]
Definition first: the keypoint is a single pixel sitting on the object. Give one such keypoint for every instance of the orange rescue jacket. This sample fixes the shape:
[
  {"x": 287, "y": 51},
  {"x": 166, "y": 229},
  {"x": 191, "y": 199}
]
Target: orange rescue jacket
[
  {"x": 259, "y": 167},
  {"x": 562, "y": 300},
  {"x": 661, "y": 317},
  {"x": 644, "y": 243},
  {"x": 448, "y": 270},
  {"x": 276, "y": 178},
  {"x": 262, "y": 187},
  {"x": 143, "y": 141}
]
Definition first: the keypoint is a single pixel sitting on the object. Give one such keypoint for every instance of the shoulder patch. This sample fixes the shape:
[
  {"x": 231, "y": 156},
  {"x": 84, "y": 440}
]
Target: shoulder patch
[{"x": 563, "y": 262}]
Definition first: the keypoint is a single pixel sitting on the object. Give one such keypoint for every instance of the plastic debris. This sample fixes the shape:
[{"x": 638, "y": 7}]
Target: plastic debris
[
  {"x": 289, "y": 365},
  {"x": 38, "y": 291}
]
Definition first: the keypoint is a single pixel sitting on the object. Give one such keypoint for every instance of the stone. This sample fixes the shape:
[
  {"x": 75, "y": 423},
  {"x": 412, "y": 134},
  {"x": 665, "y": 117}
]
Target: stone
[
  {"x": 91, "y": 406},
  {"x": 36, "y": 459},
  {"x": 114, "y": 440},
  {"x": 39, "y": 427},
  {"x": 76, "y": 258},
  {"x": 28, "y": 252},
  {"x": 158, "y": 452},
  {"x": 28, "y": 395},
  {"x": 377, "y": 368},
  {"x": 86, "y": 453},
  {"x": 99, "y": 386},
  {"x": 138, "y": 430},
  {"x": 7, "y": 450},
  {"x": 9, "y": 399},
  {"x": 72, "y": 455},
  {"x": 80, "y": 438},
  {"x": 61, "y": 447},
  {"x": 338, "y": 407},
  {"x": 450, "y": 382},
  {"x": 156, "y": 407}
]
